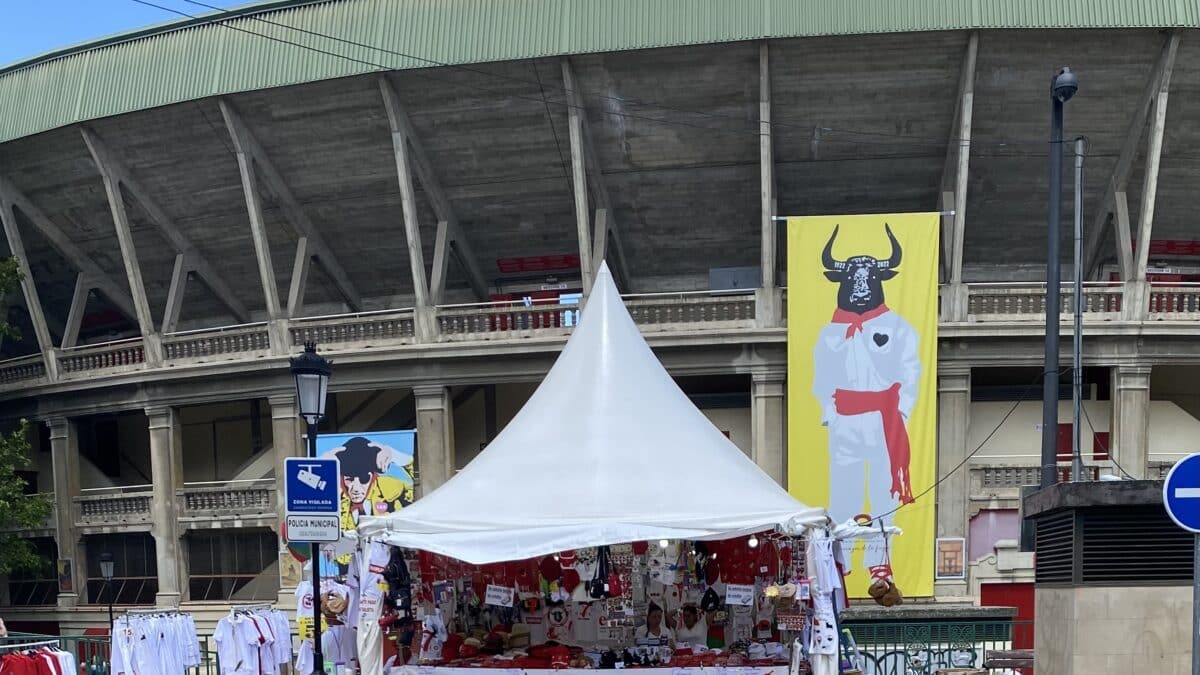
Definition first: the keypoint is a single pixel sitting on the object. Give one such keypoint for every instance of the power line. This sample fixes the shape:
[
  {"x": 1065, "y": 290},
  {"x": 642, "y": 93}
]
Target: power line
[
  {"x": 751, "y": 125},
  {"x": 974, "y": 452}
]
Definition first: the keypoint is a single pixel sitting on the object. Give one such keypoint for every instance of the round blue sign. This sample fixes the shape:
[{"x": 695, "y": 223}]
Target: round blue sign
[{"x": 1181, "y": 493}]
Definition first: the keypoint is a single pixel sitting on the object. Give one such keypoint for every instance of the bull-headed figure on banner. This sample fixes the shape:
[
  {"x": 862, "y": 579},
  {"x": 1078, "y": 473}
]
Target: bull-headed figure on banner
[{"x": 866, "y": 373}]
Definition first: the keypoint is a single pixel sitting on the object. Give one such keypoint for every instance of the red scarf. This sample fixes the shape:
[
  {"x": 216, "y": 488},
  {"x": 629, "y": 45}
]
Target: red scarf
[
  {"x": 855, "y": 320},
  {"x": 895, "y": 434}
]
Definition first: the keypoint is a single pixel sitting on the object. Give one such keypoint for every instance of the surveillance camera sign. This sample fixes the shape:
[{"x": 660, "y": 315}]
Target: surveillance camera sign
[{"x": 312, "y": 499}]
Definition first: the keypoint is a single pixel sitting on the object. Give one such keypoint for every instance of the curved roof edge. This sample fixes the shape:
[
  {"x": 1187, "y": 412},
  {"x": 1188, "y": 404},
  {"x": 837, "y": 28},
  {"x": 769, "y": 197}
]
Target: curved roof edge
[{"x": 255, "y": 46}]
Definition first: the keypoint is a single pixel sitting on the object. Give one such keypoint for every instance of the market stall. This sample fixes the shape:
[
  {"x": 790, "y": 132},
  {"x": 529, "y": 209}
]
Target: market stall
[{"x": 610, "y": 525}]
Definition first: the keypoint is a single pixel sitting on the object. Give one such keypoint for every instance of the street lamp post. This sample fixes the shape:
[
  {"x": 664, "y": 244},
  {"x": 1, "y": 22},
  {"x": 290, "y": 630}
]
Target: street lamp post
[
  {"x": 1062, "y": 88},
  {"x": 106, "y": 573},
  {"x": 311, "y": 372}
]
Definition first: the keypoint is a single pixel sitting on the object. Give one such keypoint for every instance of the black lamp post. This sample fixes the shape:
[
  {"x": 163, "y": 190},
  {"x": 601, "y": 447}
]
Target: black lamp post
[
  {"x": 106, "y": 573},
  {"x": 312, "y": 384},
  {"x": 1062, "y": 87}
]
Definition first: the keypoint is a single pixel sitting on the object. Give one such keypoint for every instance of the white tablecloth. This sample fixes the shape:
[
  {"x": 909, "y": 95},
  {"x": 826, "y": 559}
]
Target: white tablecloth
[{"x": 737, "y": 670}]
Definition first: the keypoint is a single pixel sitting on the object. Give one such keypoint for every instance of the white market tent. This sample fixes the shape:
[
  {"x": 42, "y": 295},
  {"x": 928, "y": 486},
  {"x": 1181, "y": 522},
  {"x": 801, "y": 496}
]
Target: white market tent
[{"x": 607, "y": 450}]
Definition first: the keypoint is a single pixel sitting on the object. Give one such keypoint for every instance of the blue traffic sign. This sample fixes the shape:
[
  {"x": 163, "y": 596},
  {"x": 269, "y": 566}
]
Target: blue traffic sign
[
  {"x": 1181, "y": 493},
  {"x": 311, "y": 485}
]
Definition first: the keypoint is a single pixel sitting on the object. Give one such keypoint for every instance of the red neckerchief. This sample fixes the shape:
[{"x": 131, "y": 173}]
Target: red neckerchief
[{"x": 856, "y": 321}]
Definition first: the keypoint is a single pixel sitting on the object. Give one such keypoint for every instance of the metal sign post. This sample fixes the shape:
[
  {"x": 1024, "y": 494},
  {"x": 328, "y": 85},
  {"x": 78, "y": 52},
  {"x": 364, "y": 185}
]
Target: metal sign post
[{"x": 1181, "y": 497}]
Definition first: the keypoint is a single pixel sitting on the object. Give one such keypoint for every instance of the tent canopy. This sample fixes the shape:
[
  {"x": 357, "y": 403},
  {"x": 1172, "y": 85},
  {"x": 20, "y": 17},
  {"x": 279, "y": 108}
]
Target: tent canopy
[{"x": 607, "y": 450}]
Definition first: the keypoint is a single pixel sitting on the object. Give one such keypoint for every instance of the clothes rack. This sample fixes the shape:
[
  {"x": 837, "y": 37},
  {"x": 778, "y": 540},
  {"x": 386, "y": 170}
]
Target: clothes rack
[{"x": 28, "y": 645}]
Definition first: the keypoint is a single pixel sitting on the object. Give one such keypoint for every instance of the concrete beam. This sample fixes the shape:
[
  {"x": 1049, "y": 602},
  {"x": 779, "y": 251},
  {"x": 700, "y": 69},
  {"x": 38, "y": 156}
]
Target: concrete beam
[
  {"x": 408, "y": 197},
  {"x": 258, "y": 234},
  {"x": 198, "y": 263},
  {"x": 766, "y": 163},
  {"x": 133, "y": 269},
  {"x": 79, "y": 299},
  {"x": 1158, "y": 119},
  {"x": 455, "y": 239},
  {"x": 33, "y": 304},
  {"x": 441, "y": 261},
  {"x": 618, "y": 262},
  {"x": 583, "y": 225},
  {"x": 179, "y": 277},
  {"x": 963, "y": 142},
  {"x": 300, "y": 267},
  {"x": 82, "y": 262},
  {"x": 247, "y": 145},
  {"x": 1119, "y": 180}
]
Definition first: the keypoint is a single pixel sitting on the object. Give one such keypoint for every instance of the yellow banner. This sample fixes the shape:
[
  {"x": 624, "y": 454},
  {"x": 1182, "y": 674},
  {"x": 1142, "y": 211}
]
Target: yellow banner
[{"x": 862, "y": 393}]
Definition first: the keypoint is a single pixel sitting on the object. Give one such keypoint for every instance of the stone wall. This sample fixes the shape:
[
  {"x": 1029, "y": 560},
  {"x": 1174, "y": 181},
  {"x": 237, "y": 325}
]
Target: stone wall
[{"x": 1083, "y": 631}]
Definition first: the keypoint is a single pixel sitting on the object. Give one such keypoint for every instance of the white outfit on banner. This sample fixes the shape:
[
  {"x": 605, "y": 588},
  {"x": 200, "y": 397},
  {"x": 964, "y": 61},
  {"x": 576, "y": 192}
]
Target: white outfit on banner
[{"x": 864, "y": 358}]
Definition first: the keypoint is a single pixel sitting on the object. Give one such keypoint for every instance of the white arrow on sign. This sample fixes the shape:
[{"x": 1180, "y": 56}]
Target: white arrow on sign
[{"x": 1187, "y": 493}]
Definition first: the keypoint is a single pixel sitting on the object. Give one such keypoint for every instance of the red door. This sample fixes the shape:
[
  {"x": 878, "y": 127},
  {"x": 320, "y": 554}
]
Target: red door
[{"x": 1013, "y": 595}]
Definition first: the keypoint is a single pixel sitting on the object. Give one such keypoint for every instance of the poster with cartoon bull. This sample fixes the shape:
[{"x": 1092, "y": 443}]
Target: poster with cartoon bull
[{"x": 862, "y": 369}]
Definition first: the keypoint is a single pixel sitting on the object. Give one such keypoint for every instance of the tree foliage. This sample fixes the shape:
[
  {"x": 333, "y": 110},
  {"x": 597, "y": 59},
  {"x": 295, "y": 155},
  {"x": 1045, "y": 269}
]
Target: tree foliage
[{"x": 18, "y": 511}]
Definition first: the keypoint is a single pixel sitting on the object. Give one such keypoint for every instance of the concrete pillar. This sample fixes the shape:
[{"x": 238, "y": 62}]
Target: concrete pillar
[
  {"x": 1131, "y": 418},
  {"x": 953, "y": 494},
  {"x": 64, "y": 455},
  {"x": 768, "y": 416},
  {"x": 167, "y": 472},
  {"x": 435, "y": 437},
  {"x": 286, "y": 441}
]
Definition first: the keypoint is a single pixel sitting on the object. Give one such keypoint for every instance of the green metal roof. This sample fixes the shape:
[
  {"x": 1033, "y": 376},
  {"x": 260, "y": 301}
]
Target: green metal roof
[{"x": 223, "y": 53}]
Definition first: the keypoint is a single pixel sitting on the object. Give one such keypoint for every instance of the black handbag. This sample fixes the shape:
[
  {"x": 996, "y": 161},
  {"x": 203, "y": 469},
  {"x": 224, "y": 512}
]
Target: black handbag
[{"x": 597, "y": 588}]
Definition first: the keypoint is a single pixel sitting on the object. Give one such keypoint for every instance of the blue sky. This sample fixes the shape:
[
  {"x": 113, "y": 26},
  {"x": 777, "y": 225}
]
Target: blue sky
[{"x": 31, "y": 27}]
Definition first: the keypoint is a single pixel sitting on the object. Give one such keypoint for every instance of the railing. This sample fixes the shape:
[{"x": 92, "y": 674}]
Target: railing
[
  {"x": 1027, "y": 302},
  {"x": 93, "y": 652},
  {"x": 117, "y": 354},
  {"x": 114, "y": 506},
  {"x": 925, "y": 648},
  {"x": 504, "y": 320},
  {"x": 364, "y": 329},
  {"x": 227, "y": 500},
  {"x": 217, "y": 344},
  {"x": 693, "y": 309},
  {"x": 22, "y": 369},
  {"x": 1177, "y": 303},
  {"x": 1004, "y": 481}
]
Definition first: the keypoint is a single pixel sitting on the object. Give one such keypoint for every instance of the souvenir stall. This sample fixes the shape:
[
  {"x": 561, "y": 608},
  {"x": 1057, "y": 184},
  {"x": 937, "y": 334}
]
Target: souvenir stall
[{"x": 610, "y": 525}]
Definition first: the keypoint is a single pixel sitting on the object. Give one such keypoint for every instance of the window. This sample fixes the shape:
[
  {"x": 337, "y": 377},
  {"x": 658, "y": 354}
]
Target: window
[
  {"x": 135, "y": 573},
  {"x": 239, "y": 565},
  {"x": 38, "y": 586}
]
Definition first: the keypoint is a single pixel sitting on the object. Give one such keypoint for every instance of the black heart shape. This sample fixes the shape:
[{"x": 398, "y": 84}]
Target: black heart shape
[{"x": 880, "y": 339}]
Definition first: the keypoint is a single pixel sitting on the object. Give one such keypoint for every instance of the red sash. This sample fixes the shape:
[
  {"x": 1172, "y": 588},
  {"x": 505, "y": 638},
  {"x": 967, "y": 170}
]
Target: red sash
[{"x": 895, "y": 434}]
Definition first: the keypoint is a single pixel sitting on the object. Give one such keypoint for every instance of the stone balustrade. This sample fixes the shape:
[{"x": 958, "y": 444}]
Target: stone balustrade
[
  {"x": 220, "y": 344},
  {"x": 361, "y": 330},
  {"x": 232, "y": 501},
  {"x": 112, "y": 509},
  {"x": 1027, "y": 302},
  {"x": 22, "y": 371},
  {"x": 692, "y": 310},
  {"x": 1174, "y": 303},
  {"x": 995, "y": 480},
  {"x": 107, "y": 356},
  {"x": 989, "y": 307}
]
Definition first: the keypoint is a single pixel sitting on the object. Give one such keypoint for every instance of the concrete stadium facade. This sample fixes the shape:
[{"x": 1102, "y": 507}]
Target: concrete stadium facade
[{"x": 193, "y": 202}]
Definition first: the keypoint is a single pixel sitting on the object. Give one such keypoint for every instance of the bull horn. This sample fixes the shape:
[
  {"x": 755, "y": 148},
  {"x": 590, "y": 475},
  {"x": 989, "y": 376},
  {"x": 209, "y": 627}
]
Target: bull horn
[
  {"x": 827, "y": 258},
  {"x": 894, "y": 261}
]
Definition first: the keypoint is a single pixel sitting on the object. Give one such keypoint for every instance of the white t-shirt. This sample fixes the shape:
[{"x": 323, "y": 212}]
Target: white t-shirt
[
  {"x": 696, "y": 636},
  {"x": 238, "y": 654},
  {"x": 664, "y": 633},
  {"x": 585, "y": 623}
]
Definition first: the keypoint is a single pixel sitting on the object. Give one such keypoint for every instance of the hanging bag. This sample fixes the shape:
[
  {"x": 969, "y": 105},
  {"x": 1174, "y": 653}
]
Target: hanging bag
[{"x": 598, "y": 586}]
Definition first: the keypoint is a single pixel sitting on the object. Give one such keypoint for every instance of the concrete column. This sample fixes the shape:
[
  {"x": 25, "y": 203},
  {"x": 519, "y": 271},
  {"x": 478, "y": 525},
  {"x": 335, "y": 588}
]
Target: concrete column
[
  {"x": 64, "y": 454},
  {"x": 768, "y": 416},
  {"x": 167, "y": 472},
  {"x": 1131, "y": 418},
  {"x": 953, "y": 495},
  {"x": 286, "y": 441},
  {"x": 435, "y": 437}
]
